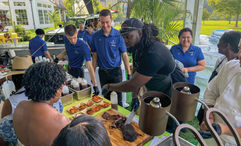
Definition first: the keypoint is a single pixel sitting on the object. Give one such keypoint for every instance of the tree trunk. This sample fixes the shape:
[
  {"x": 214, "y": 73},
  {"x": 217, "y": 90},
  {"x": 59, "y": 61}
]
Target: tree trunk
[
  {"x": 128, "y": 13},
  {"x": 237, "y": 20},
  {"x": 230, "y": 16}
]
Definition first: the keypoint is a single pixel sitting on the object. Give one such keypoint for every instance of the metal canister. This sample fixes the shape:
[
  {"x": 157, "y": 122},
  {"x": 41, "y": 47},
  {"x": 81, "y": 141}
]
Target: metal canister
[
  {"x": 184, "y": 101},
  {"x": 153, "y": 117},
  {"x": 186, "y": 90},
  {"x": 155, "y": 102}
]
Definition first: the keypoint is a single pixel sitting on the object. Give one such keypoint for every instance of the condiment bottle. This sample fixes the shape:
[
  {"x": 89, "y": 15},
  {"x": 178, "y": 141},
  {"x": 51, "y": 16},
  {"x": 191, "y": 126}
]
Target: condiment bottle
[
  {"x": 156, "y": 102},
  {"x": 186, "y": 90},
  {"x": 114, "y": 100},
  {"x": 65, "y": 90}
]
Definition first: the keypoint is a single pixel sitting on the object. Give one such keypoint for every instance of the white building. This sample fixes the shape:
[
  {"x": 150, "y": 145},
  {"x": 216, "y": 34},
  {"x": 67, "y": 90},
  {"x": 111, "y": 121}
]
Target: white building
[{"x": 31, "y": 14}]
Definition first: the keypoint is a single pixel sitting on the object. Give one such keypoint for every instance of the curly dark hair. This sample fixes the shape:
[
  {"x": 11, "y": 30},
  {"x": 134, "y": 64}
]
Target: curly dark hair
[
  {"x": 150, "y": 33},
  {"x": 84, "y": 130},
  {"x": 232, "y": 38},
  {"x": 42, "y": 80}
]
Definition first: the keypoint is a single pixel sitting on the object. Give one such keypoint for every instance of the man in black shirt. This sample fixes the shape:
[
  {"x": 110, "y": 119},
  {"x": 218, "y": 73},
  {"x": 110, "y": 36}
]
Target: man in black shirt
[{"x": 153, "y": 61}]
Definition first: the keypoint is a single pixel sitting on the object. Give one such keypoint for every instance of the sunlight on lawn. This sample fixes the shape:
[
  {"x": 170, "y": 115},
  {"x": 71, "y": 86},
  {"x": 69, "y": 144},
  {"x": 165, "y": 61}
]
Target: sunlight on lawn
[{"x": 208, "y": 27}]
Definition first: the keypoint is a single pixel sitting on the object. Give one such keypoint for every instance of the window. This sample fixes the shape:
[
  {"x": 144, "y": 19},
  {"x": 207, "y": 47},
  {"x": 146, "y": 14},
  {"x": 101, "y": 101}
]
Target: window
[
  {"x": 39, "y": 5},
  {"x": 5, "y": 21},
  {"x": 6, "y": 3},
  {"x": 44, "y": 5},
  {"x": 19, "y": 3},
  {"x": 46, "y": 17},
  {"x": 41, "y": 17},
  {"x": 49, "y": 6},
  {"x": 21, "y": 16}
]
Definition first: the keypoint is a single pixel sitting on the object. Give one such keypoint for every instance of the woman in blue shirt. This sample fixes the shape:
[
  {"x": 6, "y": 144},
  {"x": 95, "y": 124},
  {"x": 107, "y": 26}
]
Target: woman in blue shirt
[{"x": 191, "y": 56}]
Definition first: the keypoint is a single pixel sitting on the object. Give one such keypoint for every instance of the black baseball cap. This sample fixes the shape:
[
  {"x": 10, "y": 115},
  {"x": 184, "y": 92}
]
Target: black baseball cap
[
  {"x": 130, "y": 25},
  {"x": 39, "y": 31}
]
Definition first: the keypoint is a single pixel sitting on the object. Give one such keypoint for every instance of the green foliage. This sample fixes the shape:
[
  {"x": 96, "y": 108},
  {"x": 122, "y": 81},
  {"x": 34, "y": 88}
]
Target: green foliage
[
  {"x": 206, "y": 14},
  {"x": 119, "y": 16},
  {"x": 162, "y": 14},
  {"x": 97, "y": 6},
  {"x": 69, "y": 5},
  {"x": 26, "y": 35},
  {"x": 227, "y": 7},
  {"x": 54, "y": 18}
]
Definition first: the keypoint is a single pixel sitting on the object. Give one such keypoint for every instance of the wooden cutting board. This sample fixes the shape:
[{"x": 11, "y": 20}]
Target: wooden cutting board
[{"x": 116, "y": 137}]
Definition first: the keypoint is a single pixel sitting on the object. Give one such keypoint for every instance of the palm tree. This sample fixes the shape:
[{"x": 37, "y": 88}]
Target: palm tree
[
  {"x": 162, "y": 13},
  {"x": 54, "y": 18}
]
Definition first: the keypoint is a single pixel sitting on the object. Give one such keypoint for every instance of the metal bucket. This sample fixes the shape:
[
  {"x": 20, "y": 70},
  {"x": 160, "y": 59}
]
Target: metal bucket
[
  {"x": 152, "y": 120},
  {"x": 184, "y": 105}
]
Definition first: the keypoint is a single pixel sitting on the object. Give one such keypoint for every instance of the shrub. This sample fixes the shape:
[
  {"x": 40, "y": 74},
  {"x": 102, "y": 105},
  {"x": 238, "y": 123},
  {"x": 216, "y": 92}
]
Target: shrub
[{"x": 22, "y": 32}]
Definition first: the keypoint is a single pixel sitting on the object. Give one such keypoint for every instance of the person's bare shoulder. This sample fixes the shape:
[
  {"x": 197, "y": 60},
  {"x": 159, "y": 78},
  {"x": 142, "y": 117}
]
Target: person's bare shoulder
[{"x": 58, "y": 116}]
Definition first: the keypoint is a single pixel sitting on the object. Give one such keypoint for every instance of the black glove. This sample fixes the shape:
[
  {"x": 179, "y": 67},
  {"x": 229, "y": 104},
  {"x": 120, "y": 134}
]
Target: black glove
[
  {"x": 96, "y": 90},
  {"x": 134, "y": 104},
  {"x": 128, "y": 77},
  {"x": 56, "y": 60},
  {"x": 207, "y": 134},
  {"x": 105, "y": 90}
]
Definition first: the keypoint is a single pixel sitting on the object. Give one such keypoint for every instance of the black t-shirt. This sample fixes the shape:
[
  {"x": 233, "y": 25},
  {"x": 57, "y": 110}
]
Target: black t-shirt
[{"x": 156, "y": 61}]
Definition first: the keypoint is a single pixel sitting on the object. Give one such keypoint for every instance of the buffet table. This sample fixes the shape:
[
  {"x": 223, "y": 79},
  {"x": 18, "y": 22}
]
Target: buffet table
[{"x": 121, "y": 110}]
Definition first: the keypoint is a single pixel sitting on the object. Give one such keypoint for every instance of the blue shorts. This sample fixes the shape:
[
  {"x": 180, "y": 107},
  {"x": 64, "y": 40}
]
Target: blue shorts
[{"x": 7, "y": 132}]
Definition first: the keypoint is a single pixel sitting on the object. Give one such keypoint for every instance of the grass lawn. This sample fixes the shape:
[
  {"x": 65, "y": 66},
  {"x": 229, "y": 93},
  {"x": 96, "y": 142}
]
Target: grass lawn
[{"x": 208, "y": 27}]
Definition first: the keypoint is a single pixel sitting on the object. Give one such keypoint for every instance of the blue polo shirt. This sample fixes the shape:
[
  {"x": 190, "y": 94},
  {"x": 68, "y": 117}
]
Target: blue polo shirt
[
  {"x": 35, "y": 44},
  {"x": 189, "y": 58},
  {"x": 77, "y": 53},
  {"x": 88, "y": 37},
  {"x": 108, "y": 49},
  {"x": 81, "y": 34}
]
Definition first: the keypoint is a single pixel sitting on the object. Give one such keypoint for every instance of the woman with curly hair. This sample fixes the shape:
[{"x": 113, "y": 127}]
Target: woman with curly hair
[{"x": 37, "y": 122}]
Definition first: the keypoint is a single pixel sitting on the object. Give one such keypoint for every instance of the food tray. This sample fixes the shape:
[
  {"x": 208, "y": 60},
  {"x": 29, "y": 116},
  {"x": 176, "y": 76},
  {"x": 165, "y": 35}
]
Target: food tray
[
  {"x": 67, "y": 99},
  {"x": 79, "y": 95}
]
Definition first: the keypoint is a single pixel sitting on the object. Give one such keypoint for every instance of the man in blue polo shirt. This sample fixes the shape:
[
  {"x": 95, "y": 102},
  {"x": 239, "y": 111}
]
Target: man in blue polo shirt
[
  {"x": 89, "y": 34},
  {"x": 107, "y": 48},
  {"x": 38, "y": 47},
  {"x": 81, "y": 32},
  {"x": 77, "y": 51}
]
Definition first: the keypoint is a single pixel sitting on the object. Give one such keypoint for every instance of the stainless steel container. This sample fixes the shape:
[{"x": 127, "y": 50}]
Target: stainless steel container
[
  {"x": 153, "y": 120},
  {"x": 184, "y": 105},
  {"x": 169, "y": 142}
]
